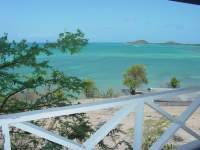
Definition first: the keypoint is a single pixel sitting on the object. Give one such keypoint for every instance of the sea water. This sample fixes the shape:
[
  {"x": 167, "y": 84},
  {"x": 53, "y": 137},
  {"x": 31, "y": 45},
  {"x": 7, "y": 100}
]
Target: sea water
[{"x": 105, "y": 63}]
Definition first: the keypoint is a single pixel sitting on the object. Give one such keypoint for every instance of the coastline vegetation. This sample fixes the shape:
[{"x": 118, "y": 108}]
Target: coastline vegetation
[
  {"x": 90, "y": 90},
  {"x": 174, "y": 83},
  {"x": 153, "y": 129},
  {"x": 134, "y": 77}
]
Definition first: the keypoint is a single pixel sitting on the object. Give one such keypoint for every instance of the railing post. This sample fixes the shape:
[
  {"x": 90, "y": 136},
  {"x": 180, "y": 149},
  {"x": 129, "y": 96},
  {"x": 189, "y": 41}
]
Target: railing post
[
  {"x": 138, "y": 131},
  {"x": 6, "y": 137}
]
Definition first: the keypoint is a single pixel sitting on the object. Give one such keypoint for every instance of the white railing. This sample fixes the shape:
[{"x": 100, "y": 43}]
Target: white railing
[{"x": 127, "y": 104}]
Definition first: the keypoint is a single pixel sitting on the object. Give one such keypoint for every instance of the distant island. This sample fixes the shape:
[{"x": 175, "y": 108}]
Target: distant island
[
  {"x": 138, "y": 42},
  {"x": 171, "y": 43},
  {"x": 176, "y": 43}
]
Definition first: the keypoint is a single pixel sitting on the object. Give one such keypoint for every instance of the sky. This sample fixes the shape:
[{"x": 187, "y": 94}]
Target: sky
[{"x": 101, "y": 20}]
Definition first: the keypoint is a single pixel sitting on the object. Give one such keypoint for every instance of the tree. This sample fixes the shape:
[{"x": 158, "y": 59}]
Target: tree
[
  {"x": 174, "y": 82},
  {"x": 41, "y": 87},
  {"x": 134, "y": 77},
  {"x": 89, "y": 88},
  {"x": 47, "y": 86},
  {"x": 23, "y": 55}
]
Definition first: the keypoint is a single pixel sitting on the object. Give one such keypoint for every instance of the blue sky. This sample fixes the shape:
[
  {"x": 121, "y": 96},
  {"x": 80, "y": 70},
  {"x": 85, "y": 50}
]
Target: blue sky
[{"x": 101, "y": 20}]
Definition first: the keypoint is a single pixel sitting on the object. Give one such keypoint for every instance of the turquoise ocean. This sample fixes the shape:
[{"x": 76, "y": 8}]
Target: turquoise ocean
[{"x": 106, "y": 62}]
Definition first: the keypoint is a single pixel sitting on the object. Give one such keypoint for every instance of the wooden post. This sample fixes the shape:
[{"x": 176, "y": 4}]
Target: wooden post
[
  {"x": 6, "y": 137},
  {"x": 139, "y": 121}
]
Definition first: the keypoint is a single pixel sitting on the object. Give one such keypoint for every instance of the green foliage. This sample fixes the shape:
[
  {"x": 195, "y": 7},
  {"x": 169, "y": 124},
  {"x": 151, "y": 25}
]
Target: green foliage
[
  {"x": 79, "y": 129},
  {"x": 91, "y": 91},
  {"x": 72, "y": 42},
  {"x": 109, "y": 93},
  {"x": 174, "y": 82},
  {"x": 152, "y": 131},
  {"x": 89, "y": 88},
  {"x": 134, "y": 77},
  {"x": 48, "y": 88},
  {"x": 23, "y": 55}
]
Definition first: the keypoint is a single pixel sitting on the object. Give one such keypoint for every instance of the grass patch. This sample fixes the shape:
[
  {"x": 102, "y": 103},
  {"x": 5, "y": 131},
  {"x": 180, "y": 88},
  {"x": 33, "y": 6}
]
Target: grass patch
[{"x": 153, "y": 129}]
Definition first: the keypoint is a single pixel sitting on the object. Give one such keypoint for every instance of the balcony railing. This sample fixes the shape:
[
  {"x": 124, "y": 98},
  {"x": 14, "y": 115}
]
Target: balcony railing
[{"x": 127, "y": 105}]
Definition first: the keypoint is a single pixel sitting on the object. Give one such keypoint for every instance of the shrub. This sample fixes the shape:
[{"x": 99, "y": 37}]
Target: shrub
[
  {"x": 109, "y": 93},
  {"x": 89, "y": 88},
  {"x": 134, "y": 77},
  {"x": 174, "y": 83},
  {"x": 153, "y": 129}
]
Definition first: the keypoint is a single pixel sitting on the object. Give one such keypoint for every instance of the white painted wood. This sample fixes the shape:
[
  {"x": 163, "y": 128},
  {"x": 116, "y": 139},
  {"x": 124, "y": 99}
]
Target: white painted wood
[
  {"x": 128, "y": 103},
  {"x": 60, "y": 111},
  {"x": 41, "y": 132},
  {"x": 138, "y": 131},
  {"x": 194, "y": 145},
  {"x": 6, "y": 137},
  {"x": 172, "y": 119},
  {"x": 175, "y": 126},
  {"x": 108, "y": 126},
  {"x": 191, "y": 132}
]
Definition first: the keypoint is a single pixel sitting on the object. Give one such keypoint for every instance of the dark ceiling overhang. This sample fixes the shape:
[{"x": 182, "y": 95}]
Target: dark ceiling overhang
[{"x": 196, "y": 2}]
